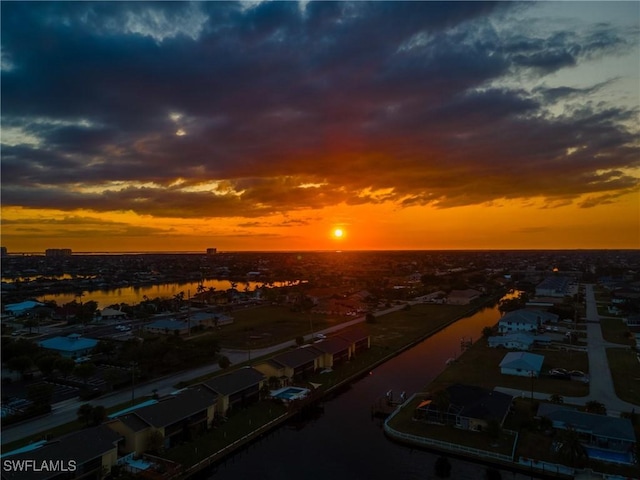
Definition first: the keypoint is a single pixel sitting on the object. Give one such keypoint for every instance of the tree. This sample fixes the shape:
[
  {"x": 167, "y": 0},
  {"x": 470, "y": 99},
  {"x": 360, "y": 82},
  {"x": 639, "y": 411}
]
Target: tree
[
  {"x": 98, "y": 415},
  {"x": 224, "y": 362},
  {"x": 21, "y": 364},
  {"x": 40, "y": 394},
  {"x": 441, "y": 400},
  {"x": 265, "y": 392},
  {"x": 65, "y": 365},
  {"x": 47, "y": 363},
  {"x": 84, "y": 413},
  {"x": 571, "y": 450},
  {"x": 112, "y": 376},
  {"x": 105, "y": 347},
  {"x": 487, "y": 332},
  {"x": 85, "y": 371},
  {"x": 556, "y": 398},
  {"x": 593, "y": 406}
]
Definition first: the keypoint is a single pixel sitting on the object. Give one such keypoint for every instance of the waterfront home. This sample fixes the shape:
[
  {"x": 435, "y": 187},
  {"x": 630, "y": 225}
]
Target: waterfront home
[
  {"x": 358, "y": 338},
  {"x": 462, "y": 297},
  {"x": 87, "y": 453},
  {"x": 294, "y": 365},
  {"x": 72, "y": 346},
  {"x": 174, "y": 418},
  {"x": 606, "y": 438},
  {"x": 466, "y": 407},
  {"x": 111, "y": 314},
  {"x": 518, "y": 341},
  {"x": 525, "y": 320},
  {"x": 512, "y": 341},
  {"x": 334, "y": 351},
  {"x": 235, "y": 389},
  {"x": 521, "y": 364},
  {"x": 553, "y": 287}
]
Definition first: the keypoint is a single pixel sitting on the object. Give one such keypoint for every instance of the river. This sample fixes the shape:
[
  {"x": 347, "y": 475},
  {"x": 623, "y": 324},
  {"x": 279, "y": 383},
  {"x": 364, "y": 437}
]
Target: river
[{"x": 345, "y": 443}]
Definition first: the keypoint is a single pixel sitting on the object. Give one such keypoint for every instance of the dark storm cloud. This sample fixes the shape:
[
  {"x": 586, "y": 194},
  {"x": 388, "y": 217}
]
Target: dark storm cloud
[{"x": 344, "y": 98}]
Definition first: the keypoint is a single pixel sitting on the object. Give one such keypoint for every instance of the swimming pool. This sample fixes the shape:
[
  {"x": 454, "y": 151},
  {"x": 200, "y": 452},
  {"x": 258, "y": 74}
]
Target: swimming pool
[
  {"x": 290, "y": 393},
  {"x": 609, "y": 456}
]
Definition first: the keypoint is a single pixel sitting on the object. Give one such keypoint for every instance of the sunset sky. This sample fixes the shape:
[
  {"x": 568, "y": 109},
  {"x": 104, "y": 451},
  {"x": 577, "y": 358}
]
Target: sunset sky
[{"x": 268, "y": 125}]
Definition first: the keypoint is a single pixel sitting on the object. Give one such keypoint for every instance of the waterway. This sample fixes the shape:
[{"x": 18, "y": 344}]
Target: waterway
[
  {"x": 135, "y": 295},
  {"x": 345, "y": 443}
]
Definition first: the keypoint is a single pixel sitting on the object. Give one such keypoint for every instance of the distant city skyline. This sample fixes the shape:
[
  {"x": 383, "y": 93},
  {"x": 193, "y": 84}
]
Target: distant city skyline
[{"x": 257, "y": 126}]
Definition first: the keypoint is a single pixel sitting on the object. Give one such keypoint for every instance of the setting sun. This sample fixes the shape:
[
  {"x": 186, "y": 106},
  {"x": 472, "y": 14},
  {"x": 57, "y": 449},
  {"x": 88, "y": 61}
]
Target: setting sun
[{"x": 338, "y": 233}]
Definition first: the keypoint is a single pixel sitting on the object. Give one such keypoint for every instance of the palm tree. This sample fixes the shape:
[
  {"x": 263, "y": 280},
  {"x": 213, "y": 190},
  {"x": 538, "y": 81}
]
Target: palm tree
[
  {"x": 571, "y": 450},
  {"x": 84, "y": 413},
  {"x": 441, "y": 400},
  {"x": 556, "y": 398}
]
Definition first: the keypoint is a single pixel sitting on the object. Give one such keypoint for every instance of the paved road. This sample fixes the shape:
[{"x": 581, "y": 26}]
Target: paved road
[
  {"x": 66, "y": 411},
  {"x": 601, "y": 387}
]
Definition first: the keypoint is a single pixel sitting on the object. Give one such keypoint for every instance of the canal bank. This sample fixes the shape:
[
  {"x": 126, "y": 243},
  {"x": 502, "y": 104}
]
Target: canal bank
[{"x": 333, "y": 399}]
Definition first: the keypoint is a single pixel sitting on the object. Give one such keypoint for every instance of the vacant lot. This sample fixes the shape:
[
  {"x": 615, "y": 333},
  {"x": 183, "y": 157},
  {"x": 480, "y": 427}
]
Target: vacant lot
[
  {"x": 615, "y": 331},
  {"x": 272, "y": 324},
  {"x": 625, "y": 370}
]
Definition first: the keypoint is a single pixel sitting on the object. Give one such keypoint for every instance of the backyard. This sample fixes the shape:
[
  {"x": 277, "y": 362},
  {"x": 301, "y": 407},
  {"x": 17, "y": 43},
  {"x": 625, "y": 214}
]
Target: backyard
[{"x": 480, "y": 366}]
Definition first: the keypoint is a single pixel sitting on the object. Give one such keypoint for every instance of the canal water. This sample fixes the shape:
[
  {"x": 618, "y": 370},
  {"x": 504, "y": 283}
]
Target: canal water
[{"x": 345, "y": 443}]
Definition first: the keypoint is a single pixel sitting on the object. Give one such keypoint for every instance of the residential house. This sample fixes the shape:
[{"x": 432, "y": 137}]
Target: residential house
[
  {"x": 111, "y": 314},
  {"x": 525, "y": 320},
  {"x": 334, "y": 350},
  {"x": 462, "y": 297},
  {"x": 518, "y": 341},
  {"x": 294, "y": 364},
  {"x": 72, "y": 346},
  {"x": 238, "y": 388},
  {"x": 596, "y": 432},
  {"x": 176, "y": 417},
  {"x": 358, "y": 338},
  {"x": 168, "y": 327},
  {"x": 522, "y": 364},
  {"x": 468, "y": 407},
  {"x": 553, "y": 287},
  {"x": 85, "y": 454},
  {"x": 512, "y": 341}
]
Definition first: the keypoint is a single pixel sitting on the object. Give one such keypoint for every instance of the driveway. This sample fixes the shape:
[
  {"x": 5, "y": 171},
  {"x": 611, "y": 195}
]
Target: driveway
[{"x": 601, "y": 387}]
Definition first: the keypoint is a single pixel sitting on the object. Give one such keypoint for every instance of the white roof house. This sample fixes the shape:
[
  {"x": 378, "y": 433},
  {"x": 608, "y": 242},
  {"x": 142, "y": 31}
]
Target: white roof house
[
  {"x": 525, "y": 320},
  {"x": 522, "y": 364}
]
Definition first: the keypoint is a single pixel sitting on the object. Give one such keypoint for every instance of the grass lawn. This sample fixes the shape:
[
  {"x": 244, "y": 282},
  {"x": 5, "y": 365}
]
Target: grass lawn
[
  {"x": 625, "y": 370},
  {"x": 403, "y": 421},
  {"x": 615, "y": 330},
  {"x": 241, "y": 423},
  {"x": 272, "y": 324},
  {"x": 479, "y": 365}
]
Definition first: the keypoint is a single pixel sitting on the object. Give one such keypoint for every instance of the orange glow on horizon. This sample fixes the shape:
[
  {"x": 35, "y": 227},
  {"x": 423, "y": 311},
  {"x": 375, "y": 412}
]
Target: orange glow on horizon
[{"x": 383, "y": 226}]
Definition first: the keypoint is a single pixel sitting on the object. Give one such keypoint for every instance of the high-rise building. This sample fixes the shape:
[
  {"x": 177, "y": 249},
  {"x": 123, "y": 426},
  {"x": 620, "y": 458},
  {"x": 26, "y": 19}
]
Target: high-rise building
[{"x": 212, "y": 251}]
